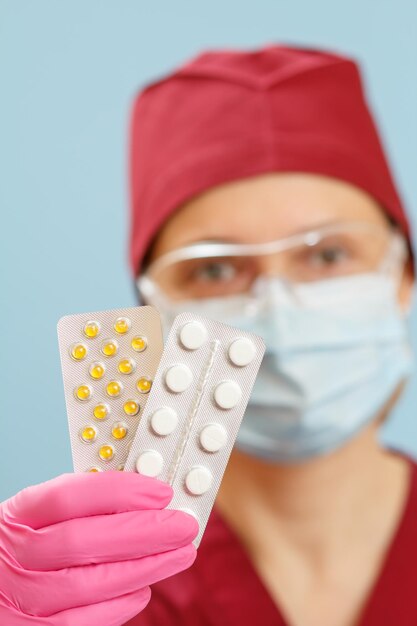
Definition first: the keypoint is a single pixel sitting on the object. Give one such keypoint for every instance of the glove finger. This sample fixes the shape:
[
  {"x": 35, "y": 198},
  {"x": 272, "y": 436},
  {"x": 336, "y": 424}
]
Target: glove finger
[
  {"x": 90, "y": 584},
  {"x": 101, "y": 539},
  {"x": 71, "y": 496},
  {"x": 113, "y": 612}
]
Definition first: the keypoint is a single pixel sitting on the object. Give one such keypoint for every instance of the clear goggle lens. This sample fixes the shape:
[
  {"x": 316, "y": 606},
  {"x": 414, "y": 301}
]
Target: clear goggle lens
[{"x": 213, "y": 270}]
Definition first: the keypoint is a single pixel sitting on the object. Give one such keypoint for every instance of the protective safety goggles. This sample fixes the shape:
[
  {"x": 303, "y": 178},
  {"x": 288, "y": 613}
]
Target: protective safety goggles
[{"x": 209, "y": 270}]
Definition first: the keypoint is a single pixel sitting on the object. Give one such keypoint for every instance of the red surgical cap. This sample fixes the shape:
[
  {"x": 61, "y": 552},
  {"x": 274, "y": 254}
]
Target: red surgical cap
[{"x": 227, "y": 115}]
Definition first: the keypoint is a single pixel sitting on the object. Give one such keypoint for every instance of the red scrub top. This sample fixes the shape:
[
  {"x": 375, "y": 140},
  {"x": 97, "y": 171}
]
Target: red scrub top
[{"x": 222, "y": 588}]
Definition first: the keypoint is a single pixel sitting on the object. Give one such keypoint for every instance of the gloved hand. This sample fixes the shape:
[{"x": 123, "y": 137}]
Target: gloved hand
[{"x": 82, "y": 549}]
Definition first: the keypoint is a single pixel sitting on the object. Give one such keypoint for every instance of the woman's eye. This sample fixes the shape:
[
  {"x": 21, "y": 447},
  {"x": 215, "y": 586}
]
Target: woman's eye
[
  {"x": 214, "y": 271},
  {"x": 329, "y": 256}
]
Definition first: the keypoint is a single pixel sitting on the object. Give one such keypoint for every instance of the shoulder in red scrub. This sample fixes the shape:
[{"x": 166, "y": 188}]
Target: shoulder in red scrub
[{"x": 223, "y": 588}]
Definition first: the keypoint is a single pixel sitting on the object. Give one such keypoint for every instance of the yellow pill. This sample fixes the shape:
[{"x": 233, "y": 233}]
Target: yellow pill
[
  {"x": 131, "y": 407},
  {"x": 101, "y": 411},
  {"x": 91, "y": 329},
  {"x": 106, "y": 452},
  {"x": 78, "y": 351},
  {"x": 88, "y": 434},
  {"x": 109, "y": 347},
  {"x": 97, "y": 370},
  {"x": 114, "y": 388},
  {"x": 121, "y": 325},
  {"x": 120, "y": 467},
  {"x": 127, "y": 366},
  {"x": 119, "y": 430},
  {"x": 83, "y": 392},
  {"x": 94, "y": 469},
  {"x": 139, "y": 343},
  {"x": 144, "y": 384}
]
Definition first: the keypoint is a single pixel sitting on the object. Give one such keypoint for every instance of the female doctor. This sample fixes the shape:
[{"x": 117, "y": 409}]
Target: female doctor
[{"x": 261, "y": 197}]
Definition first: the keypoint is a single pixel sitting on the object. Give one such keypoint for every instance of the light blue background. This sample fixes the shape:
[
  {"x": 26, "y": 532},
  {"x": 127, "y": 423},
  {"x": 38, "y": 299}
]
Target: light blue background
[{"x": 68, "y": 73}]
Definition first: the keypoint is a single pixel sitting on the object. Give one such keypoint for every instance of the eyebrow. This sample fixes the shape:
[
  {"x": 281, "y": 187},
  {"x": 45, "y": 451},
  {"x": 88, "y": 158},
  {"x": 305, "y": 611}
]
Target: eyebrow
[{"x": 194, "y": 241}]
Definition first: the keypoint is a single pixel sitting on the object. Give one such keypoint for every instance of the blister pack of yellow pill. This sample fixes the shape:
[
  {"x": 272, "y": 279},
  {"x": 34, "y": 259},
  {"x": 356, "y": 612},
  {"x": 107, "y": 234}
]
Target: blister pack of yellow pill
[
  {"x": 192, "y": 417},
  {"x": 109, "y": 360}
]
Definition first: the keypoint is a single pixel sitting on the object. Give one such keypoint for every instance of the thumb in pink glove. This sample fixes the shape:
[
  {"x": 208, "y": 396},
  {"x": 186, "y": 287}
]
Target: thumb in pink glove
[{"x": 82, "y": 549}]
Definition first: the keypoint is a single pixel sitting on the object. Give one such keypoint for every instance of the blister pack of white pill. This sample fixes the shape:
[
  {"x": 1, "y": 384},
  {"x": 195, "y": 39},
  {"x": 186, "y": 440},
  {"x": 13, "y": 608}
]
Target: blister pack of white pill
[
  {"x": 190, "y": 423},
  {"x": 109, "y": 360}
]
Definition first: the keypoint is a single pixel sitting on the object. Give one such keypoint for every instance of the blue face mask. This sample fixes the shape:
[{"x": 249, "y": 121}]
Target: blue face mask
[{"x": 336, "y": 351}]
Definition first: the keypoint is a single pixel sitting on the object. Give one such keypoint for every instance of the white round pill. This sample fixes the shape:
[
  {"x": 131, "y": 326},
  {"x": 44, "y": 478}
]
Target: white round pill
[
  {"x": 189, "y": 511},
  {"x": 198, "y": 480},
  {"x": 213, "y": 437},
  {"x": 149, "y": 463},
  {"x": 178, "y": 378},
  {"x": 193, "y": 335},
  {"x": 227, "y": 394},
  {"x": 242, "y": 351},
  {"x": 164, "y": 421}
]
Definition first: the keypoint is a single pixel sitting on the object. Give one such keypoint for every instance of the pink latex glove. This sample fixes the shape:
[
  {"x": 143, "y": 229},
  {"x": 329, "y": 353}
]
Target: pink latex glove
[{"x": 82, "y": 549}]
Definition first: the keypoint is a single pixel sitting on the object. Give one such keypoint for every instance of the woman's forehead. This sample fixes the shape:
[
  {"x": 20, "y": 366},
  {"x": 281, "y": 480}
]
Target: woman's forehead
[{"x": 265, "y": 207}]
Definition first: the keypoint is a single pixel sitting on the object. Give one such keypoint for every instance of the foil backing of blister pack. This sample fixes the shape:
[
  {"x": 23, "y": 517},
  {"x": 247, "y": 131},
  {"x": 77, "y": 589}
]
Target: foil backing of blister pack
[
  {"x": 121, "y": 346},
  {"x": 183, "y": 460}
]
